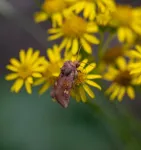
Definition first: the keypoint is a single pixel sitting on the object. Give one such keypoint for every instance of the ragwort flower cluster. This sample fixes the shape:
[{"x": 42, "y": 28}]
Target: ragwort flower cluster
[{"x": 80, "y": 26}]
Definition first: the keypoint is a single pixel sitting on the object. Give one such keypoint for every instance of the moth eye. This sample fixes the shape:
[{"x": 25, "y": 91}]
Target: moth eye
[{"x": 66, "y": 92}]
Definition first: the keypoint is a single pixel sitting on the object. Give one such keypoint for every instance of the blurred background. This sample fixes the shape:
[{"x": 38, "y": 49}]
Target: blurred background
[{"x": 32, "y": 122}]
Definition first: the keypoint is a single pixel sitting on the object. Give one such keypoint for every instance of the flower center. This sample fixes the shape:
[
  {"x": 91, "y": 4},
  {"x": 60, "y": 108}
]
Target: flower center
[
  {"x": 25, "y": 71},
  {"x": 81, "y": 78},
  {"x": 74, "y": 26},
  {"x": 112, "y": 54},
  {"x": 53, "y": 6},
  {"x": 123, "y": 78},
  {"x": 123, "y": 15}
]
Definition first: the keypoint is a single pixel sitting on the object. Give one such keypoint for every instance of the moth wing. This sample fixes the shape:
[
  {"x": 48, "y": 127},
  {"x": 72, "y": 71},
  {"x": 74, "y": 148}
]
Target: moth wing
[{"x": 61, "y": 90}]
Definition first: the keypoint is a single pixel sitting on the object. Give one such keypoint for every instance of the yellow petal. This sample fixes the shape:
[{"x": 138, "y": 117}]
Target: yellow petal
[
  {"x": 69, "y": 43},
  {"x": 82, "y": 94},
  {"x": 111, "y": 88},
  {"x": 18, "y": 85},
  {"x": 131, "y": 92},
  {"x": 13, "y": 87},
  {"x": 12, "y": 68},
  {"x": 92, "y": 15},
  {"x": 78, "y": 7},
  {"x": 40, "y": 16},
  {"x": 92, "y": 83},
  {"x": 29, "y": 54},
  {"x": 121, "y": 62},
  {"x": 115, "y": 93},
  {"x": 121, "y": 94},
  {"x": 11, "y": 76},
  {"x": 83, "y": 63},
  {"x": 87, "y": 10},
  {"x": 92, "y": 28},
  {"x": 77, "y": 97},
  {"x": 63, "y": 43},
  {"x": 50, "y": 55},
  {"x": 93, "y": 76},
  {"x": 30, "y": 80},
  {"x": 91, "y": 38},
  {"x": 28, "y": 87},
  {"x": 88, "y": 90},
  {"x": 40, "y": 69},
  {"x": 35, "y": 56},
  {"x": 15, "y": 62},
  {"x": 134, "y": 54},
  {"x": 74, "y": 48},
  {"x": 86, "y": 46},
  {"x": 54, "y": 30},
  {"x": 36, "y": 75},
  {"x": 44, "y": 88},
  {"x": 39, "y": 81},
  {"x": 110, "y": 74},
  {"x": 58, "y": 18},
  {"x": 40, "y": 61},
  {"x": 135, "y": 71},
  {"x": 55, "y": 36},
  {"x": 22, "y": 56},
  {"x": 90, "y": 67},
  {"x": 121, "y": 34},
  {"x": 138, "y": 47}
]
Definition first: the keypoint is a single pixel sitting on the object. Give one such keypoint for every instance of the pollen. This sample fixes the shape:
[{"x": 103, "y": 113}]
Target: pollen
[
  {"x": 123, "y": 78},
  {"x": 81, "y": 78},
  {"x": 25, "y": 71},
  {"x": 74, "y": 26},
  {"x": 53, "y": 6}
]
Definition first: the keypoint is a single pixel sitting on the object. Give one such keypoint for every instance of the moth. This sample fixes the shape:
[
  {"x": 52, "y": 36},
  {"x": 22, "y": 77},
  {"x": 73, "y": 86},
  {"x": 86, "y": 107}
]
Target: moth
[{"x": 63, "y": 85}]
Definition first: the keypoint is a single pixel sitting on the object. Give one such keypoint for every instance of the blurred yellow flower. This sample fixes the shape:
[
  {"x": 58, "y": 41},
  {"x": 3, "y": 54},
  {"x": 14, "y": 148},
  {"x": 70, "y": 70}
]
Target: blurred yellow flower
[
  {"x": 75, "y": 30},
  {"x": 103, "y": 18},
  {"x": 135, "y": 65},
  {"x": 110, "y": 56},
  {"x": 90, "y": 7},
  {"x": 122, "y": 80},
  {"x": 84, "y": 79},
  {"x": 54, "y": 9},
  {"x": 127, "y": 20},
  {"x": 51, "y": 69},
  {"x": 25, "y": 70}
]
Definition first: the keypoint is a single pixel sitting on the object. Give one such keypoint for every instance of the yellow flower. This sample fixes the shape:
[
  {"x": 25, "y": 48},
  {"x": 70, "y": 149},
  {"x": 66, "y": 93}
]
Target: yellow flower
[
  {"x": 103, "y": 18},
  {"x": 75, "y": 30},
  {"x": 90, "y": 7},
  {"x": 54, "y": 9},
  {"x": 25, "y": 70},
  {"x": 110, "y": 56},
  {"x": 127, "y": 20},
  {"x": 135, "y": 65},
  {"x": 51, "y": 70},
  {"x": 84, "y": 79},
  {"x": 121, "y": 79}
]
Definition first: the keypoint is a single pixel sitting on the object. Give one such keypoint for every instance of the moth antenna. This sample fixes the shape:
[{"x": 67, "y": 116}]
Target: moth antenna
[{"x": 87, "y": 64}]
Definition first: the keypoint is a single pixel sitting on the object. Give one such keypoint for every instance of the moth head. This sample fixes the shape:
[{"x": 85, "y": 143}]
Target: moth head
[{"x": 76, "y": 63}]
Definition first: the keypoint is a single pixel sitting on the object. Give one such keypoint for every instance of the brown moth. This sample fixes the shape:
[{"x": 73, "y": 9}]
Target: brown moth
[{"x": 63, "y": 85}]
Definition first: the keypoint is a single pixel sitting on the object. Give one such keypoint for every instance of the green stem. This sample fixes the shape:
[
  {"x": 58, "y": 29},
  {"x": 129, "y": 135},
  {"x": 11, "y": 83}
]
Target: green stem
[
  {"x": 100, "y": 46},
  {"x": 104, "y": 46}
]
